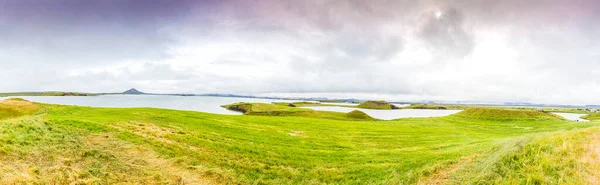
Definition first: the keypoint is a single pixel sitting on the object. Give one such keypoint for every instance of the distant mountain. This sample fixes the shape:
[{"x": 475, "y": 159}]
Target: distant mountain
[{"x": 133, "y": 91}]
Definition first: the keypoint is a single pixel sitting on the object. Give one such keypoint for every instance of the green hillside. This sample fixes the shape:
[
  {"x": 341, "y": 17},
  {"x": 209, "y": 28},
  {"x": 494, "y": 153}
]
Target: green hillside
[
  {"x": 377, "y": 105},
  {"x": 504, "y": 114},
  {"x": 53, "y": 144}
]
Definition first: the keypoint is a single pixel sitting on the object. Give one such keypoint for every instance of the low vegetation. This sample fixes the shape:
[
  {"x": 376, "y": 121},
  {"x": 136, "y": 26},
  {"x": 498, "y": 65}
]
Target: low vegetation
[
  {"x": 594, "y": 116},
  {"x": 427, "y": 106},
  {"x": 571, "y": 157},
  {"x": 52, "y": 144},
  {"x": 505, "y": 114},
  {"x": 383, "y": 105},
  {"x": 15, "y": 107},
  {"x": 569, "y": 110},
  {"x": 356, "y": 114},
  {"x": 300, "y": 104}
]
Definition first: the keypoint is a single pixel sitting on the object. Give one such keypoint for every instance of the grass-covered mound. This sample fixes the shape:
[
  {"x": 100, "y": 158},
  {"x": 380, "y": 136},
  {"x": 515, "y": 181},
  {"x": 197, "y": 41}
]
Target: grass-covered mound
[
  {"x": 299, "y": 104},
  {"x": 358, "y": 115},
  {"x": 262, "y": 107},
  {"x": 383, "y": 105},
  {"x": 239, "y": 107},
  {"x": 426, "y": 106},
  {"x": 504, "y": 114},
  {"x": 595, "y": 116},
  {"x": 284, "y": 109},
  {"x": 15, "y": 107}
]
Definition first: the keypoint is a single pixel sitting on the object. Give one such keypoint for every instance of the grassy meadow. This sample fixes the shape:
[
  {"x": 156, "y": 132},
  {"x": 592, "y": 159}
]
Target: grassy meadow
[{"x": 275, "y": 144}]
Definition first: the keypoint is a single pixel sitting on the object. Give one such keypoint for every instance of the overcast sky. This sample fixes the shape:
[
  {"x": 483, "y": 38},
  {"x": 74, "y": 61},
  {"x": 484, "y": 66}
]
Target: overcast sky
[{"x": 544, "y": 51}]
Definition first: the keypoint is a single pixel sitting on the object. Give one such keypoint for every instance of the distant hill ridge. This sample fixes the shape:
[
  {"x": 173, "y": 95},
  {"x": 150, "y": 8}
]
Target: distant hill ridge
[{"x": 133, "y": 91}]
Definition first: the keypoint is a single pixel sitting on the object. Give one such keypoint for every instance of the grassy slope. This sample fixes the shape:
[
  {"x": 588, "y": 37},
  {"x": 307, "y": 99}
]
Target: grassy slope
[
  {"x": 99, "y": 145},
  {"x": 560, "y": 158},
  {"x": 15, "y": 107},
  {"x": 376, "y": 105},
  {"x": 426, "y": 106},
  {"x": 505, "y": 114},
  {"x": 595, "y": 116}
]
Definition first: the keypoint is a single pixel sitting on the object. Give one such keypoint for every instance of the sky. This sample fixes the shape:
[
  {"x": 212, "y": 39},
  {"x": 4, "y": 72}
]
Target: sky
[{"x": 542, "y": 51}]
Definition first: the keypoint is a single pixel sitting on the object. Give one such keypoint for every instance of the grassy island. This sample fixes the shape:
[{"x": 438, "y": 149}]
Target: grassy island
[{"x": 383, "y": 105}]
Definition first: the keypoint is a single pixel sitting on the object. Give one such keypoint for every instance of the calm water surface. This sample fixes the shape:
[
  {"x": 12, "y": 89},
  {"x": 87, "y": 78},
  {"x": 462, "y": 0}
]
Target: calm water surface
[
  {"x": 572, "y": 117},
  {"x": 194, "y": 103},
  {"x": 211, "y": 104}
]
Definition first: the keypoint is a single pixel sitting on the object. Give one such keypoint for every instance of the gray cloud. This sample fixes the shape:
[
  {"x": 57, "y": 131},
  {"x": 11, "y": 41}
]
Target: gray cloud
[
  {"x": 79, "y": 33},
  {"x": 543, "y": 51},
  {"x": 446, "y": 33}
]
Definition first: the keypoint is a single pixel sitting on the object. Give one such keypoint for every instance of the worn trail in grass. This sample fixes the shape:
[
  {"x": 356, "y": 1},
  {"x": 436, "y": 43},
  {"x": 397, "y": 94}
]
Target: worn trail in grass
[{"x": 106, "y": 145}]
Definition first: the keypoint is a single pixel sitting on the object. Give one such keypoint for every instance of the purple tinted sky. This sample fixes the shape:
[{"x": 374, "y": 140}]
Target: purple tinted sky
[{"x": 538, "y": 50}]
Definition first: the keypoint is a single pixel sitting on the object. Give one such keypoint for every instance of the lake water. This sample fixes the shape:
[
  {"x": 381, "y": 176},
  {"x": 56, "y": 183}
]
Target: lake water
[
  {"x": 391, "y": 114},
  {"x": 572, "y": 116},
  {"x": 211, "y": 104},
  {"x": 194, "y": 103}
]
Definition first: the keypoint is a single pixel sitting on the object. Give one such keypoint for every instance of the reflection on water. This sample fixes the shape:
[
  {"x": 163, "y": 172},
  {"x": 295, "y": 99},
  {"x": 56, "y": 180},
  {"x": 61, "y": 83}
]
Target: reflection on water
[
  {"x": 572, "y": 116},
  {"x": 391, "y": 114}
]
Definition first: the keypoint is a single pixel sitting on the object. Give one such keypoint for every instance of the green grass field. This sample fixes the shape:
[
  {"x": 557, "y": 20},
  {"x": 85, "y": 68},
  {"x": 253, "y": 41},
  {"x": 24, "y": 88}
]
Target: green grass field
[
  {"x": 53, "y": 144},
  {"x": 594, "y": 116}
]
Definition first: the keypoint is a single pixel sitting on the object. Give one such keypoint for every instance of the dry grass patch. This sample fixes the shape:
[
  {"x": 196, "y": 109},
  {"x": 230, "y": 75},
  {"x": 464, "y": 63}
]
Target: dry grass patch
[
  {"x": 591, "y": 158},
  {"x": 11, "y": 108},
  {"x": 558, "y": 158},
  {"x": 155, "y": 170},
  {"x": 296, "y": 133},
  {"x": 444, "y": 174},
  {"x": 151, "y": 131}
]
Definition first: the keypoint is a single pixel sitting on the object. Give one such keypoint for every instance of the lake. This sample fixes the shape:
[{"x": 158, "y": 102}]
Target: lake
[
  {"x": 208, "y": 104},
  {"x": 572, "y": 116},
  {"x": 212, "y": 104},
  {"x": 391, "y": 114}
]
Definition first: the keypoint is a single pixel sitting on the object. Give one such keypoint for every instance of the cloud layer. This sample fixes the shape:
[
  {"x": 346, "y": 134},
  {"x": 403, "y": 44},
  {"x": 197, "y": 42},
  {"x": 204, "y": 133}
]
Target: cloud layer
[{"x": 485, "y": 50}]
